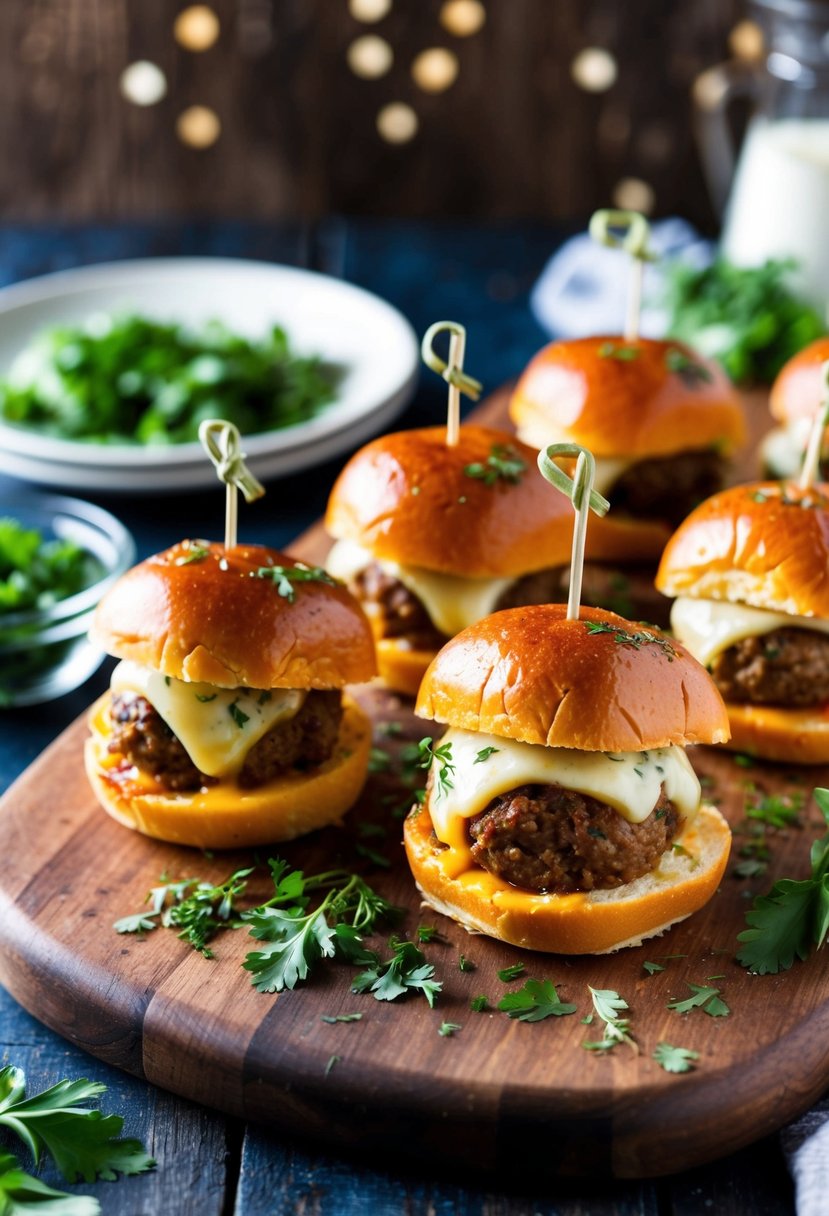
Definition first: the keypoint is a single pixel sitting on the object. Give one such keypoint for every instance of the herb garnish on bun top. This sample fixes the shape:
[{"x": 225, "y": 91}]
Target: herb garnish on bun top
[
  {"x": 561, "y": 788},
  {"x": 225, "y": 724}
]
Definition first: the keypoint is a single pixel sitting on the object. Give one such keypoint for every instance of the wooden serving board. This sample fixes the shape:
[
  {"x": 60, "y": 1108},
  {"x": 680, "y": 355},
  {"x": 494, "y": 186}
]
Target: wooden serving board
[{"x": 498, "y": 1094}]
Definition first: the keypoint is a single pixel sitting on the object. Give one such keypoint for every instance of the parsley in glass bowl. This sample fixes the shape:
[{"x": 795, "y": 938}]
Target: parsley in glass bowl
[{"x": 57, "y": 558}]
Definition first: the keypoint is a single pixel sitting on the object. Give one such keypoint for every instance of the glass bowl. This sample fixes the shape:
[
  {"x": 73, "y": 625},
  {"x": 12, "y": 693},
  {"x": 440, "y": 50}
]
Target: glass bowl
[{"x": 45, "y": 652}]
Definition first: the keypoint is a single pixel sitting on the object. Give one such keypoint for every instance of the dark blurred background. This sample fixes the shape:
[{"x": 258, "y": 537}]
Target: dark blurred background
[{"x": 547, "y": 109}]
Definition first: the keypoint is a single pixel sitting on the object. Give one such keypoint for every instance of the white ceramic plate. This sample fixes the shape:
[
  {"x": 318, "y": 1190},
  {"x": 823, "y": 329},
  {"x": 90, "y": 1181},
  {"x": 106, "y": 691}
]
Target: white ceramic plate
[{"x": 344, "y": 324}]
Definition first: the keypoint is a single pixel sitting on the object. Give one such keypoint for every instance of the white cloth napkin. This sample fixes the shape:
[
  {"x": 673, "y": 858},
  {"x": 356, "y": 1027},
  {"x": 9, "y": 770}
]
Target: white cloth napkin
[
  {"x": 806, "y": 1149},
  {"x": 583, "y": 288}
]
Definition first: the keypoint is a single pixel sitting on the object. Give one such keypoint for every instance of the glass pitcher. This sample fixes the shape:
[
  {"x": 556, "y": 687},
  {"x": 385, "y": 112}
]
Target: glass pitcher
[{"x": 776, "y": 193}]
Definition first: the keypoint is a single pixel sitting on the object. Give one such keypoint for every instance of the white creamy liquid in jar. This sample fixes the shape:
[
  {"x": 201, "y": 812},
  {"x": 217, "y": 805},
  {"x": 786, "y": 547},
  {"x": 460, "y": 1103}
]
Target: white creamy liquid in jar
[{"x": 779, "y": 205}]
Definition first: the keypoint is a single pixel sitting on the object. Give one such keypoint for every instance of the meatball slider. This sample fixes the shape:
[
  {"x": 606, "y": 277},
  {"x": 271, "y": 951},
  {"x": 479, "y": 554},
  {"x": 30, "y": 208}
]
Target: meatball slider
[
  {"x": 796, "y": 397},
  {"x": 660, "y": 420},
  {"x": 562, "y": 783},
  {"x": 750, "y": 573},
  {"x": 432, "y": 537},
  {"x": 225, "y": 724}
]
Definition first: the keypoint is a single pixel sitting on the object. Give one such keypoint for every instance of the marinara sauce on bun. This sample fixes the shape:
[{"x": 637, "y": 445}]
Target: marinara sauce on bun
[
  {"x": 557, "y": 793},
  {"x": 749, "y": 570},
  {"x": 225, "y": 723},
  {"x": 432, "y": 538},
  {"x": 660, "y": 420}
]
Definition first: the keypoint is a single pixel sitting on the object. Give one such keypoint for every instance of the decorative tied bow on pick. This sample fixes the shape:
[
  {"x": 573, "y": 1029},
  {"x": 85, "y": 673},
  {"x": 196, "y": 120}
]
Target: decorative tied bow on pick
[{"x": 223, "y": 444}]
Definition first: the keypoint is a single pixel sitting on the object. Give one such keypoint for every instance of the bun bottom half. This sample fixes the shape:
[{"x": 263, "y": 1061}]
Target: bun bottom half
[
  {"x": 793, "y": 736},
  {"x": 592, "y": 922},
  {"x": 401, "y": 669},
  {"x": 225, "y": 816}
]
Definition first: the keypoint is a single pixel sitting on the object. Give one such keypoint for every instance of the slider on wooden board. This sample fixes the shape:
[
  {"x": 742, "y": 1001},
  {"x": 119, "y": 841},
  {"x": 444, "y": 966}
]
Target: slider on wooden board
[
  {"x": 226, "y": 724},
  {"x": 750, "y": 572},
  {"x": 561, "y": 811},
  {"x": 660, "y": 420},
  {"x": 439, "y": 526},
  {"x": 796, "y": 396}
]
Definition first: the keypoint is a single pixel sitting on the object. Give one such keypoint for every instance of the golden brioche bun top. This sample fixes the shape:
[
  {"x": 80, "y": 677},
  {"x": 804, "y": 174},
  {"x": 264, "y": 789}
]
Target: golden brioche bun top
[
  {"x": 665, "y": 399},
  {"x": 408, "y": 498},
  {"x": 765, "y": 544},
  {"x": 532, "y": 675},
  {"x": 799, "y": 388},
  {"x": 201, "y": 612}
]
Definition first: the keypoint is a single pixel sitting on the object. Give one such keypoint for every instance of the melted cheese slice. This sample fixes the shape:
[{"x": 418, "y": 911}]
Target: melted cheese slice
[
  {"x": 708, "y": 627},
  {"x": 216, "y": 726},
  {"x": 451, "y": 602},
  {"x": 630, "y": 782}
]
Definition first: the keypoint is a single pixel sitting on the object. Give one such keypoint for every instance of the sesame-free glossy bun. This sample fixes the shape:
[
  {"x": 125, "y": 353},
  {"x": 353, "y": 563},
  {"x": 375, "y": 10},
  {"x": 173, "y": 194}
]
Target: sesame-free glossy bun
[
  {"x": 532, "y": 675},
  {"x": 632, "y": 408},
  {"x": 224, "y": 816},
  {"x": 210, "y": 618},
  {"x": 407, "y": 498},
  {"x": 799, "y": 388},
  {"x": 773, "y": 732},
  {"x": 591, "y": 922},
  {"x": 754, "y": 544}
]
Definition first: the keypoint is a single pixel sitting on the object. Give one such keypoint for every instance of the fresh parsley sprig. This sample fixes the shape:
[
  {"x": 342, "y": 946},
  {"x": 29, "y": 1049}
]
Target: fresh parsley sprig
[
  {"x": 794, "y": 917},
  {"x": 611, "y": 1007},
  {"x": 406, "y": 971},
  {"x": 199, "y": 909},
  {"x": 702, "y": 997},
  {"x": 538, "y": 999},
  {"x": 284, "y": 577},
  {"x": 675, "y": 1059},
  {"x": 439, "y": 759},
  {"x": 82, "y": 1142}
]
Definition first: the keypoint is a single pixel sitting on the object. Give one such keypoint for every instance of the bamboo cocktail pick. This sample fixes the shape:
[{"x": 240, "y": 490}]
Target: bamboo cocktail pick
[
  {"x": 811, "y": 460},
  {"x": 627, "y": 230},
  {"x": 223, "y": 444},
  {"x": 452, "y": 372},
  {"x": 584, "y": 499}
]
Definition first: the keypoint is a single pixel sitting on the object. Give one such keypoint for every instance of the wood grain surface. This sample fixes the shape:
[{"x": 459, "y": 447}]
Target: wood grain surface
[{"x": 498, "y": 1094}]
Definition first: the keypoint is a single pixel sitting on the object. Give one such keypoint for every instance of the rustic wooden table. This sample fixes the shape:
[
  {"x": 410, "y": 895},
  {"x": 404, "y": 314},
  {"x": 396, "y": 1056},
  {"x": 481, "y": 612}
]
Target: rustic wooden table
[{"x": 207, "y": 1163}]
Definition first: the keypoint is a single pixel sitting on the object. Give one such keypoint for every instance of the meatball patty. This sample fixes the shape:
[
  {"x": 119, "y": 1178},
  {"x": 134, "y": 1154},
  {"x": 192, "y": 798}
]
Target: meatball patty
[
  {"x": 668, "y": 487},
  {"x": 304, "y": 741},
  {"x": 547, "y": 838},
  {"x": 786, "y": 667}
]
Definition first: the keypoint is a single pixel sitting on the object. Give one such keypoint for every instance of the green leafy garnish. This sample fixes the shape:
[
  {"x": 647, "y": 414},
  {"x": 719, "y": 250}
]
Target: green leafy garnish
[
  {"x": 36, "y": 573},
  {"x": 636, "y": 638},
  {"x": 675, "y": 1059},
  {"x": 333, "y": 1061},
  {"x": 747, "y": 318},
  {"x": 504, "y": 462},
  {"x": 465, "y": 964},
  {"x": 537, "y": 1000},
  {"x": 295, "y": 940},
  {"x": 81, "y": 1141},
  {"x": 284, "y": 577},
  {"x": 440, "y": 760},
  {"x": 653, "y": 968},
  {"x": 136, "y": 380},
  {"x": 484, "y": 754},
  {"x": 508, "y": 974},
  {"x": 195, "y": 553},
  {"x": 378, "y": 761},
  {"x": 447, "y": 1029},
  {"x": 794, "y": 917},
  {"x": 238, "y": 715},
  {"x": 777, "y": 810},
  {"x": 702, "y": 997},
  {"x": 205, "y": 698},
  {"x": 479, "y": 1004},
  {"x": 691, "y": 373},
  {"x": 615, "y": 350},
  {"x": 21, "y": 1193},
  {"x": 199, "y": 909},
  {"x": 427, "y": 933},
  {"x": 610, "y": 1007},
  {"x": 332, "y": 1019},
  {"x": 406, "y": 971}
]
